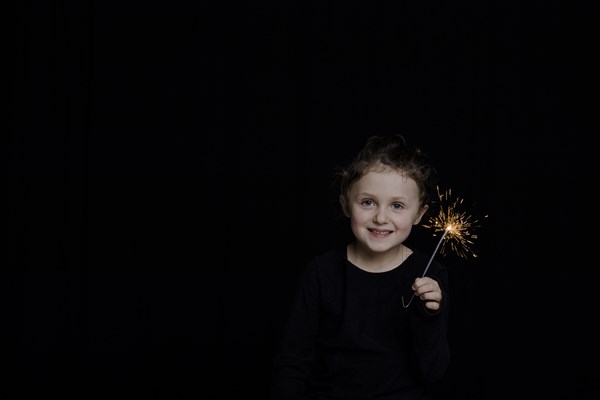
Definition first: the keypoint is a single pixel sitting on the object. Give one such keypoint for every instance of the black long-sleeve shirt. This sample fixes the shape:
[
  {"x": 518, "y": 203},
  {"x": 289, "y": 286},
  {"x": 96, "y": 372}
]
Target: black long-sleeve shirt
[{"x": 349, "y": 337}]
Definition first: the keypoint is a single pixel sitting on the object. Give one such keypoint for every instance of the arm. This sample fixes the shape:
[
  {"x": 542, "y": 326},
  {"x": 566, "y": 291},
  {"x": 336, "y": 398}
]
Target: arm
[
  {"x": 293, "y": 358},
  {"x": 430, "y": 325}
]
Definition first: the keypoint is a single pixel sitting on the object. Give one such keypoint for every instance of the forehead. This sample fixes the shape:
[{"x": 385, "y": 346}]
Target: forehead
[{"x": 386, "y": 183}]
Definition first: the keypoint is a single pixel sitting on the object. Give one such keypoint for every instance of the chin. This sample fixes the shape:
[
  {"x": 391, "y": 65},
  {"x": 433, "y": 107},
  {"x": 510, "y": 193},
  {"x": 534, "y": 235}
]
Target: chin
[{"x": 379, "y": 248}]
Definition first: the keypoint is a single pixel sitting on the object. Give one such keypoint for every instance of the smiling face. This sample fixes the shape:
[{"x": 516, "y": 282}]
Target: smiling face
[{"x": 383, "y": 206}]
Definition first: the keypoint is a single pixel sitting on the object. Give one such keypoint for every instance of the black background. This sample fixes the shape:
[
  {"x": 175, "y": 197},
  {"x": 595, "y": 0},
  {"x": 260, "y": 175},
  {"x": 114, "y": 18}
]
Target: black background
[{"x": 169, "y": 172}]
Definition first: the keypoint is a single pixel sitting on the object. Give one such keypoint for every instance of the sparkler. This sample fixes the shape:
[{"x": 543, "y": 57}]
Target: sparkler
[{"x": 457, "y": 227}]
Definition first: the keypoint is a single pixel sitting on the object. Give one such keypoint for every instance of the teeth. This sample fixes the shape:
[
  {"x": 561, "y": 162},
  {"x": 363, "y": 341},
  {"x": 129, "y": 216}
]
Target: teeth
[{"x": 376, "y": 231}]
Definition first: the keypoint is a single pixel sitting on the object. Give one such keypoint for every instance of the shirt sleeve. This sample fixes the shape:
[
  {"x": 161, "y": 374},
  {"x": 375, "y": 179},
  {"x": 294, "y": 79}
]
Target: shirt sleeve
[
  {"x": 429, "y": 333},
  {"x": 294, "y": 356}
]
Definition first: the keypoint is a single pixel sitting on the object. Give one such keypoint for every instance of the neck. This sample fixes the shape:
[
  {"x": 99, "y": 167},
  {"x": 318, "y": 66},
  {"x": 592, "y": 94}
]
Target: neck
[{"x": 377, "y": 262}]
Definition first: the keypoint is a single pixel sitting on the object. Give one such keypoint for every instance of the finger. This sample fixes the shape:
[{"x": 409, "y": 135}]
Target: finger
[
  {"x": 432, "y": 305},
  {"x": 431, "y": 296},
  {"x": 426, "y": 287},
  {"x": 424, "y": 281}
]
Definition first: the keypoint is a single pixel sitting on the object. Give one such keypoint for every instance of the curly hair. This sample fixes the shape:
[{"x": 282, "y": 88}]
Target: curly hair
[{"x": 381, "y": 153}]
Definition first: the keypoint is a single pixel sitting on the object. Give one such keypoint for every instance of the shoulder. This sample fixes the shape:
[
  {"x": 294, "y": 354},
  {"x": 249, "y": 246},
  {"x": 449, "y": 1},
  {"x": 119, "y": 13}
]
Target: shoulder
[
  {"x": 421, "y": 259},
  {"x": 321, "y": 271},
  {"x": 331, "y": 261},
  {"x": 332, "y": 256}
]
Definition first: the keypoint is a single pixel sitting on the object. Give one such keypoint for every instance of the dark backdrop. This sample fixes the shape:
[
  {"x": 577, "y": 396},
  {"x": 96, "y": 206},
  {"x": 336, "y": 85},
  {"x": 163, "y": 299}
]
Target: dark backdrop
[{"x": 169, "y": 171}]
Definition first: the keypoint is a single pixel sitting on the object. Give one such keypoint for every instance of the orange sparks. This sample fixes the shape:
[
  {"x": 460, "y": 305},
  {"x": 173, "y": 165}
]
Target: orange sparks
[{"x": 457, "y": 224}]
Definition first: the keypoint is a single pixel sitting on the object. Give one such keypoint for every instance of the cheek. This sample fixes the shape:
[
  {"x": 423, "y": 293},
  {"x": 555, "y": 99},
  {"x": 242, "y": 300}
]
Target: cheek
[
  {"x": 359, "y": 218},
  {"x": 405, "y": 224}
]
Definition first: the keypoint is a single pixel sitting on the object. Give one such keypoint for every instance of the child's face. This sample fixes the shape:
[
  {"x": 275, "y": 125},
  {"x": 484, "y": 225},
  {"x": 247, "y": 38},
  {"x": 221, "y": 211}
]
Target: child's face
[{"x": 383, "y": 207}]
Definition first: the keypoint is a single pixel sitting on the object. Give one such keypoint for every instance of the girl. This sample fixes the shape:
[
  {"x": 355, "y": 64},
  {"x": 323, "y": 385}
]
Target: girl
[{"x": 353, "y": 331}]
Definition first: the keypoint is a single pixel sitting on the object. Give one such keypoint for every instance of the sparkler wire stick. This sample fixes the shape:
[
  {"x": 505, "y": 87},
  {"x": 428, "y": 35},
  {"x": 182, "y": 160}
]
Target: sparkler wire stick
[
  {"x": 456, "y": 225},
  {"x": 428, "y": 264}
]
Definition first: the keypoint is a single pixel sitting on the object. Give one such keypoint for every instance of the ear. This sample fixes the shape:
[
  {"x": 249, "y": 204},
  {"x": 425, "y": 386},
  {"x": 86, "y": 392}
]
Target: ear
[
  {"x": 420, "y": 214},
  {"x": 344, "y": 204}
]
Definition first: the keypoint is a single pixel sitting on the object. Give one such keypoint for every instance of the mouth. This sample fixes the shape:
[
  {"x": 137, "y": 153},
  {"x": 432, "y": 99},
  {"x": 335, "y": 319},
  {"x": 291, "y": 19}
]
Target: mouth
[{"x": 380, "y": 233}]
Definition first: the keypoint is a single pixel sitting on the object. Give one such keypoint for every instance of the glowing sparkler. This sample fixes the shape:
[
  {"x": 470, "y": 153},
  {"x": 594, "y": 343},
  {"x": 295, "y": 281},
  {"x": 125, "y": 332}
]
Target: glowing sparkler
[{"x": 457, "y": 227}]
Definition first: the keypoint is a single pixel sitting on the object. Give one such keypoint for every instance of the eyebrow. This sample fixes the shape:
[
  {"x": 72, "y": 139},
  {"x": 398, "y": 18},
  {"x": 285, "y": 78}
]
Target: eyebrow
[{"x": 367, "y": 194}]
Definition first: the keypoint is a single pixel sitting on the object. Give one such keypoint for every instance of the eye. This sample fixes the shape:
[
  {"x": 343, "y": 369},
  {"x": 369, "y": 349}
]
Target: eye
[
  {"x": 367, "y": 203},
  {"x": 397, "y": 206}
]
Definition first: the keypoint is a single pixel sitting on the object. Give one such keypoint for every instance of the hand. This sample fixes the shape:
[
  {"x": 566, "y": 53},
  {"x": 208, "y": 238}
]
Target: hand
[{"x": 428, "y": 290}]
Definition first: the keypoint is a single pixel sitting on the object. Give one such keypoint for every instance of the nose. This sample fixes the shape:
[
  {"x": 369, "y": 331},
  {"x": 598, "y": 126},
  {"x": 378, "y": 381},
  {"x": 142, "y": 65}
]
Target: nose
[{"x": 380, "y": 216}]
